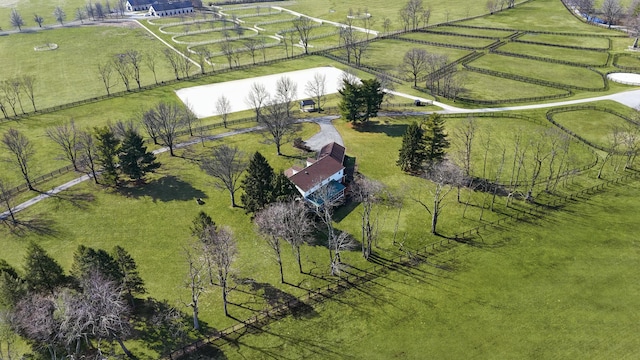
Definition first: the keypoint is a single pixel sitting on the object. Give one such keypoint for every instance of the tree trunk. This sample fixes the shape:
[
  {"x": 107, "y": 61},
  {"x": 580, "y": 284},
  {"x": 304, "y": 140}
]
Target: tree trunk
[
  {"x": 124, "y": 348},
  {"x": 434, "y": 220},
  {"x": 224, "y": 297},
  {"x": 281, "y": 273},
  {"x": 297, "y": 251},
  {"x": 196, "y": 323}
]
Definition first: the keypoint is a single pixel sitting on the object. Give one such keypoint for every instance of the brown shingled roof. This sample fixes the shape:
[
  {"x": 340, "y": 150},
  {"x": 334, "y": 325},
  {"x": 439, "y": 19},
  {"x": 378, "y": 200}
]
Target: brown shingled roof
[
  {"x": 316, "y": 172},
  {"x": 334, "y": 150}
]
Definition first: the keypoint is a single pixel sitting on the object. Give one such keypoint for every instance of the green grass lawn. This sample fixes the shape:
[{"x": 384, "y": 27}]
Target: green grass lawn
[
  {"x": 568, "y": 40},
  {"x": 585, "y": 57},
  {"x": 484, "y": 87},
  {"x": 595, "y": 126},
  {"x": 559, "y": 287},
  {"x": 558, "y": 73}
]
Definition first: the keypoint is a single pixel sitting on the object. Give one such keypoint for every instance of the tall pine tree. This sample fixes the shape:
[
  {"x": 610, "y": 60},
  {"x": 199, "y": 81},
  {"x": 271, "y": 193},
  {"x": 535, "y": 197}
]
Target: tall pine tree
[
  {"x": 372, "y": 96},
  {"x": 135, "y": 160},
  {"x": 283, "y": 189},
  {"x": 41, "y": 271},
  {"x": 132, "y": 283},
  {"x": 435, "y": 139},
  {"x": 412, "y": 153},
  {"x": 107, "y": 147},
  {"x": 351, "y": 102},
  {"x": 258, "y": 185}
]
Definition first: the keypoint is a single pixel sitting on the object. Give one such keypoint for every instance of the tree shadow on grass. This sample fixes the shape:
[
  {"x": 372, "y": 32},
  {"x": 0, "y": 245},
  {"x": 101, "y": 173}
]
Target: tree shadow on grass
[
  {"x": 38, "y": 226},
  {"x": 392, "y": 130},
  {"x": 79, "y": 200},
  {"x": 274, "y": 296},
  {"x": 166, "y": 188}
]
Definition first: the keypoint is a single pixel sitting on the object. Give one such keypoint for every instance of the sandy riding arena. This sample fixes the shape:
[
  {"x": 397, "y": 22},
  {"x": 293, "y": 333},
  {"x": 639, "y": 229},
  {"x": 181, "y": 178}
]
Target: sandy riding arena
[{"x": 202, "y": 99}]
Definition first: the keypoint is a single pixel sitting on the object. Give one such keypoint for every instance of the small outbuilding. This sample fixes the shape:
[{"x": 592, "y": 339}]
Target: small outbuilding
[{"x": 308, "y": 105}]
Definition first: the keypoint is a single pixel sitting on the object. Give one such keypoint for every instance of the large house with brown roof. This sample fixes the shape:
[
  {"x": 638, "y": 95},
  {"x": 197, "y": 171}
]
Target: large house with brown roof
[{"x": 322, "y": 178}]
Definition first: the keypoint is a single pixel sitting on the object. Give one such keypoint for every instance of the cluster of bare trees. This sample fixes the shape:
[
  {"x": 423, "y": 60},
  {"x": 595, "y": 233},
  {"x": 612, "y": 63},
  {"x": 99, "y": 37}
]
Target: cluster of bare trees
[
  {"x": 418, "y": 63},
  {"x": 209, "y": 261},
  {"x": 499, "y": 5},
  {"x": 274, "y": 113},
  {"x": 164, "y": 122},
  {"x": 414, "y": 15},
  {"x": 623, "y": 141},
  {"x": 612, "y": 12},
  {"x": 354, "y": 42},
  {"x": 12, "y": 93}
]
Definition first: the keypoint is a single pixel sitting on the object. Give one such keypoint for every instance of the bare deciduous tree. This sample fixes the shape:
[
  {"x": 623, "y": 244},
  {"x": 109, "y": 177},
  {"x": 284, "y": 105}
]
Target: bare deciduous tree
[
  {"x": 190, "y": 117},
  {"x": 28, "y": 83},
  {"x": 16, "y": 19},
  {"x": 316, "y": 88},
  {"x": 150, "y": 61},
  {"x": 106, "y": 74},
  {"x": 220, "y": 250},
  {"x": 60, "y": 15},
  {"x": 223, "y": 108},
  {"x": 6, "y": 198},
  {"x": 411, "y": 14},
  {"x": 66, "y": 137},
  {"x": 341, "y": 242},
  {"x": 38, "y": 19},
  {"x": 257, "y": 98},
  {"x": 174, "y": 60},
  {"x": 226, "y": 164},
  {"x": 252, "y": 46},
  {"x": 123, "y": 67},
  {"x": 194, "y": 282},
  {"x": 87, "y": 148},
  {"x": 271, "y": 228},
  {"x": 286, "y": 93},
  {"x": 35, "y": 320},
  {"x": 134, "y": 58},
  {"x": 444, "y": 176},
  {"x": 612, "y": 10},
  {"x": 465, "y": 134},
  {"x": 278, "y": 126},
  {"x": 304, "y": 26},
  {"x": 20, "y": 151},
  {"x": 168, "y": 119},
  {"x": 366, "y": 192},
  {"x": 415, "y": 63}
]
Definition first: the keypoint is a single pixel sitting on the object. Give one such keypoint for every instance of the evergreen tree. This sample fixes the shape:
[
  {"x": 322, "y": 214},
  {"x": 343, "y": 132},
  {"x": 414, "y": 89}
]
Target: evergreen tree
[
  {"x": 132, "y": 283},
  {"x": 87, "y": 260},
  {"x": 283, "y": 188},
  {"x": 107, "y": 147},
  {"x": 200, "y": 223},
  {"x": 258, "y": 185},
  {"x": 135, "y": 160},
  {"x": 360, "y": 101},
  {"x": 41, "y": 271},
  {"x": 351, "y": 102},
  {"x": 435, "y": 139},
  {"x": 412, "y": 153},
  {"x": 372, "y": 96}
]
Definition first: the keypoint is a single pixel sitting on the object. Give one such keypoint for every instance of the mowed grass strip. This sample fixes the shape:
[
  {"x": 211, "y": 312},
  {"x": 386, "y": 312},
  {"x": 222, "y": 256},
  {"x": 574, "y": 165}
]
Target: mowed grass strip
[
  {"x": 448, "y": 39},
  {"x": 556, "y": 73},
  {"x": 493, "y": 33},
  {"x": 586, "y": 57},
  {"x": 479, "y": 86},
  {"x": 595, "y": 42},
  {"x": 559, "y": 287},
  {"x": 592, "y": 125}
]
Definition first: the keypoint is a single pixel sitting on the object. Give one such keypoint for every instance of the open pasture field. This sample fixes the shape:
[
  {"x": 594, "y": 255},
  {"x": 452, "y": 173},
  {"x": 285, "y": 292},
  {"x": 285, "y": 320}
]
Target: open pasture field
[
  {"x": 594, "y": 126},
  {"x": 335, "y": 10},
  {"x": 479, "y": 86},
  {"x": 448, "y": 39},
  {"x": 542, "y": 15},
  {"x": 556, "y": 287},
  {"x": 70, "y": 73},
  {"x": 557, "y": 73},
  {"x": 584, "y": 57},
  {"x": 44, "y": 8},
  {"x": 591, "y": 42}
]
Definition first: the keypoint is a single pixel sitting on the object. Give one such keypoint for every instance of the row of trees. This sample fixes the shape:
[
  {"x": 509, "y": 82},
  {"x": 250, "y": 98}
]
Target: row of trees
[
  {"x": 12, "y": 92},
  {"x": 69, "y": 315},
  {"x": 612, "y": 11}
]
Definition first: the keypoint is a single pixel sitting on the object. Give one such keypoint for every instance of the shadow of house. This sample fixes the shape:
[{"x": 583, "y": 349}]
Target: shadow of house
[
  {"x": 167, "y": 188},
  {"x": 396, "y": 130}
]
